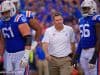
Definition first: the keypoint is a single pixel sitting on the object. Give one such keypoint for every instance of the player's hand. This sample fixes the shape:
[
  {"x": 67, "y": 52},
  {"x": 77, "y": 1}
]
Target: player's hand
[
  {"x": 34, "y": 44},
  {"x": 91, "y": 66},
  {"x": 25, "y": 59}
]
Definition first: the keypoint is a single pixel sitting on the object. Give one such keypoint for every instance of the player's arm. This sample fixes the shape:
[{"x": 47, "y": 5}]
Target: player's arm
[
  {"x": 34, "y": 24},
  {"x": 97, "y": 48},
  {"x": 1, "y": 44},
  {"x": 26, "y": 33},
  {"x": 1, "y": 47},
  {"x": 97, "y": 37},
  {"x": 96, "y": 18}
]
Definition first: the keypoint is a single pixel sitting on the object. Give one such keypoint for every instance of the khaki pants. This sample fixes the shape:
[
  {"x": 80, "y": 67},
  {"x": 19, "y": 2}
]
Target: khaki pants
[
  {"x": 60, "y": 66},
  {"x": 42, "y": 67}
]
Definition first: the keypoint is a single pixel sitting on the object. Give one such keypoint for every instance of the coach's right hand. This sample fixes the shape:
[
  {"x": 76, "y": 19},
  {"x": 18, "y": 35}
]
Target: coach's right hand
[{"x": 48, "y": 57}]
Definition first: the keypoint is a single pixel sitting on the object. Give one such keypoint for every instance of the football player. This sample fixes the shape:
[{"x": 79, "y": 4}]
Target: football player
[
  {"x": 33, "y": 23},
  {"x": 90, "y": 39},
  {"x": 17, "y": 39}
]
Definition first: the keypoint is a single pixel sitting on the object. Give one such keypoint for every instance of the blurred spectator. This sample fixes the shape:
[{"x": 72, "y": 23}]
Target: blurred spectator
[
  {"x": 42, "y": 15},
  {"x": 1, "y": 1},
  {"x": 44, "y": 9},
  {"x": 73, "y": 22},
  {"x": 65, "y": 11},
  {"x": 42, "y": 63},
  {"x": 30, "y": 5},
  {"x": 22, "y": 4}
]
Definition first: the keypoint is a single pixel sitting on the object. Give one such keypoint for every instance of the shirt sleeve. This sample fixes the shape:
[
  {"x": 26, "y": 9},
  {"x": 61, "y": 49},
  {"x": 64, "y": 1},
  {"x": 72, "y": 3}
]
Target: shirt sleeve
[{"x": 46, "y": 37}]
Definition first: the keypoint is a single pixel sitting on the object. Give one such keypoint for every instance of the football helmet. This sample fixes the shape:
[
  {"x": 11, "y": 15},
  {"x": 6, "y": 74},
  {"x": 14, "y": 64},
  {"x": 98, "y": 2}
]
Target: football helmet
[
  {"x": 7, "y": 10},
  {"x": 88, "y": 7}
]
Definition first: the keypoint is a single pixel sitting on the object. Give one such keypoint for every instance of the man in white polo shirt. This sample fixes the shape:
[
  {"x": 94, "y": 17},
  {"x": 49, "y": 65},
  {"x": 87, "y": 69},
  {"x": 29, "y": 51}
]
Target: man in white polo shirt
[{"x": 58, "y": 44}]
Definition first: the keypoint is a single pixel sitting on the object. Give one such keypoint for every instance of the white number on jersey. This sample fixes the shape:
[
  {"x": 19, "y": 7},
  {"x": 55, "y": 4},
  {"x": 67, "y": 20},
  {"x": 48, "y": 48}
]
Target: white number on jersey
[
  {"x": 7, "y": 32},
  {"x": 85, "y": 32}
]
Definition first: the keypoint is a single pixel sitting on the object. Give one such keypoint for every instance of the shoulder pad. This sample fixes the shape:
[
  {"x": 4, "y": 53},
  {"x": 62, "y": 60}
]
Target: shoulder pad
[
  {"x": 17, "y": 18},
  {"x": 95, "y": 17},
  {"x": 28, "y": 13}
]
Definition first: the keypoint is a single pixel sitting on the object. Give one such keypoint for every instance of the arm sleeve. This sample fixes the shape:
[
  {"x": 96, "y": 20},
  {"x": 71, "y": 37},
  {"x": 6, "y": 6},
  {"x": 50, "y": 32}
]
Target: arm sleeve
[{"x": 97, "y": 47}]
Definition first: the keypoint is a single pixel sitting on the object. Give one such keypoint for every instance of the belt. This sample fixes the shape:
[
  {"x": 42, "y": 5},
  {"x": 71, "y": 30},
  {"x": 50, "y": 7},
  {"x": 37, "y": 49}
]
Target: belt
[
  {"x": 88, "y": 48},
  {"x": 58, "y": 57}
]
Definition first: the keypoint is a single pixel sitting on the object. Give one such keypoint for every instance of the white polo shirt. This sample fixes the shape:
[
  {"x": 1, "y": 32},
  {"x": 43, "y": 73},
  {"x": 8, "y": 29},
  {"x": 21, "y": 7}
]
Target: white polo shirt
[{"x": 59, "y": 41}]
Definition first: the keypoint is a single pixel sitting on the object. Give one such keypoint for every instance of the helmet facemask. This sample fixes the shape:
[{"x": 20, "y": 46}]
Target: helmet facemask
[
  {"x": 85, "y": 11},
  {"x": 6, "y": 15}
]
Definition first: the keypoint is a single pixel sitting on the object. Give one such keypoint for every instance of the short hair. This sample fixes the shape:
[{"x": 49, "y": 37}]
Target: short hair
[{"x": 56, "y": 14}]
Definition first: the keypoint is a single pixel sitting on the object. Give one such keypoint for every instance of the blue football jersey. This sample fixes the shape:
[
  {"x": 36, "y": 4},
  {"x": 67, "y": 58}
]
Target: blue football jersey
[
  {"x": 28, "y": 14},
  {"x": 87, "y": 31},
  {"x": 14, "y": 41}
]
